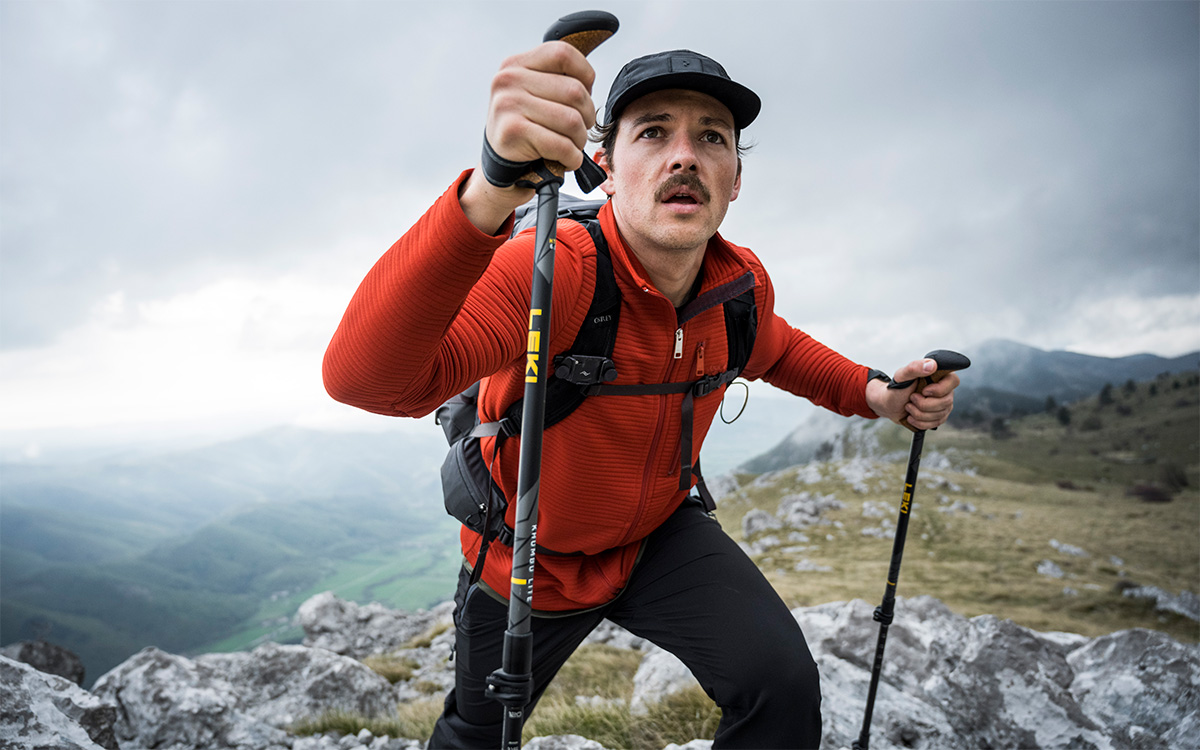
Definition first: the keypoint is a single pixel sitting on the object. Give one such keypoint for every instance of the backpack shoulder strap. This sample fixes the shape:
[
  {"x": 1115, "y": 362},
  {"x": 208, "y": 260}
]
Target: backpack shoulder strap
[
  {"x": 741, "y": 328},
  {"x": 589, "y": 358}
]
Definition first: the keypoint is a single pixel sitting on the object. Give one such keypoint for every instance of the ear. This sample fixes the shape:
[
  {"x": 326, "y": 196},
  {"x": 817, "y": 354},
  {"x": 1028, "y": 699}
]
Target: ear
[
  {"x": 737, "y": 183},
  {"x": 601, "y": 158}
]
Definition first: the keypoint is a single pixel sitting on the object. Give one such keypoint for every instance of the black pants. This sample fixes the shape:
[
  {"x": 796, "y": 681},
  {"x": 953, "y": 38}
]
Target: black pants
[{"x": 694, "y": 593}]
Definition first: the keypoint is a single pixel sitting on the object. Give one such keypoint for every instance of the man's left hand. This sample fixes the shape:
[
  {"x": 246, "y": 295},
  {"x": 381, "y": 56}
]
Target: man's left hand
[{"x": 926, "y": 410}]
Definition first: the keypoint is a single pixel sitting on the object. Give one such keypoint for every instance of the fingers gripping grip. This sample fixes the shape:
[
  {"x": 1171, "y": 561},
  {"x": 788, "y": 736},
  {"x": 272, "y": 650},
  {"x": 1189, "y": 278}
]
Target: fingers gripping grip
[
  {"x": 585, "y": 31},
  {"x": 947, "y": 362}
]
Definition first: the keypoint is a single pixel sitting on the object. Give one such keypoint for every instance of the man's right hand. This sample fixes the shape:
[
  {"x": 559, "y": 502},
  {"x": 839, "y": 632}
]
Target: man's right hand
[{"x": 540, "y": 108}]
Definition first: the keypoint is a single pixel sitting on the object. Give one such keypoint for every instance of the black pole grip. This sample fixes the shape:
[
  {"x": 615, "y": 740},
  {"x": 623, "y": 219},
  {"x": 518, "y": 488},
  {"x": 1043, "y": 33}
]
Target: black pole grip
[{"x": 585, "y": 30}]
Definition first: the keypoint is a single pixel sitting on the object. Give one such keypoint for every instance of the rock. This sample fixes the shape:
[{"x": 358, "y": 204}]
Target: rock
[
  {"x": 958, "y": 506},
  {"x": 361, "y": 630},
  {"x": 949, "y": 682},
  {"x": 281, "y": 685},
  {"x": 40, "y": 710},
  {"x": 1049, "y": 569},
  {"x": 1186, "y": 604},
  {"x": 1141, "y": 683},
  {"x": 808, "y": 566},
  {"x": 872, "y": 509},
  {"x": 660, "y": 674},
  {"x": 757, "y": 520},
  {"x": 1068, "y": 549},
  {"x": 563, "y": 742},
  {"x": 240, "y": 700},
  {"x": 805, "y": 509},
  {"x": 857, "y": 471},
  {"x": 722, "y": 486},
  {"x": 48, "y": 658},
  {"x": 614, "y": 635}
]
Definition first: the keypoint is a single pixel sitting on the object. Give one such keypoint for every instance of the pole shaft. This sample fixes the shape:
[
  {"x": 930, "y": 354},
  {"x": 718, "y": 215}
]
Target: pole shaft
[
  {"x": 518, "y": 651},
  {"x": 885, "y": 611}
]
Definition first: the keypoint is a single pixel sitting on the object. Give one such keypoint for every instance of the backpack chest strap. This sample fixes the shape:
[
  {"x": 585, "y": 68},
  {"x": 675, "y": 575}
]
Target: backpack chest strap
[{"x": 691, "y": 390}]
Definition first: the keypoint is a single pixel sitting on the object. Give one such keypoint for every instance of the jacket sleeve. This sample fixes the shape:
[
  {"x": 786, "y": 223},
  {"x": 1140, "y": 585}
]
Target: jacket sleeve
[
  {"x": 445, "y": 306},
  {"x": 790, "y": 359}
]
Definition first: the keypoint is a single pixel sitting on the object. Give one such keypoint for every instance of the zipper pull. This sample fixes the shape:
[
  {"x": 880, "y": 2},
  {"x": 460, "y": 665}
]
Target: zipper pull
[
  {"x": 678, "y": 343},
  {"x": 700, "y": 360}
]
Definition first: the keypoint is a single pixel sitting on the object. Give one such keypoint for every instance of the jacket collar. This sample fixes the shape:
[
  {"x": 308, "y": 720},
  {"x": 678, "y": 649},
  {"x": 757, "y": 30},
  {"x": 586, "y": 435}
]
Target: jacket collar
[{"x": 723, "y": 264}]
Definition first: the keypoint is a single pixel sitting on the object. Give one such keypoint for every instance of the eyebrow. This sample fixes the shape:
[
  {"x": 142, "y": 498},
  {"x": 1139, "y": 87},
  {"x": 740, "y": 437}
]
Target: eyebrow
[
  {"x": 707, "y": 121},
  {"x": 652, "y": 117},
  {"x": 716, "y": 122}
]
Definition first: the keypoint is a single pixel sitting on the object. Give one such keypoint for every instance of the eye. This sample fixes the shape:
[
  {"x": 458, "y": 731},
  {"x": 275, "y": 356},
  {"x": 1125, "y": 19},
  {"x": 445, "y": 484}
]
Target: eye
[
  {"x": 651, "y": 132},
  {"x": 712, "y": 136}
]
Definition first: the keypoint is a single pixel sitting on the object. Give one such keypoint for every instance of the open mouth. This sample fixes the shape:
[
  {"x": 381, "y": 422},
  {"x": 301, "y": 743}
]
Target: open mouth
[{"x": 686, "y": 190}]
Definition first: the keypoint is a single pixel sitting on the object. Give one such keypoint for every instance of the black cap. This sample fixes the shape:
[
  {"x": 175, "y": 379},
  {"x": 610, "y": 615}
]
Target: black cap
[{"x": 681, "y": 69}]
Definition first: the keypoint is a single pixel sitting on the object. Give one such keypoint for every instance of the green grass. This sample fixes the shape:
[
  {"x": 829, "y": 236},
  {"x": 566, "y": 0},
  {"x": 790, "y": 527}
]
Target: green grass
[
  {"x": 413, "y": 720},
  {"x": 602, "y": 673},
  {"x": 410, "y": 576}
]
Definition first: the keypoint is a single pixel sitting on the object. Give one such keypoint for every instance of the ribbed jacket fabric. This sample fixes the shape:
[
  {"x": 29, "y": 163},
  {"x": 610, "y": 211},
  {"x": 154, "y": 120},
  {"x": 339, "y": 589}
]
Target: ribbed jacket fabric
[{"x": 448, "y": 305}]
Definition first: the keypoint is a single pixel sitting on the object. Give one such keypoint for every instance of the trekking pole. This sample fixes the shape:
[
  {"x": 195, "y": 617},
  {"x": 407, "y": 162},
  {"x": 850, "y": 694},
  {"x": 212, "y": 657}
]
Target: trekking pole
[
  {"x": 512, "y": 684},
  {"x": 947, "y": 362}
]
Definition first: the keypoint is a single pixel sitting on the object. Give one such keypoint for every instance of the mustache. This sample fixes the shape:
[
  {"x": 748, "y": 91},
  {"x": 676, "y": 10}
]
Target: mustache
[{"x": 676, "y": 181}]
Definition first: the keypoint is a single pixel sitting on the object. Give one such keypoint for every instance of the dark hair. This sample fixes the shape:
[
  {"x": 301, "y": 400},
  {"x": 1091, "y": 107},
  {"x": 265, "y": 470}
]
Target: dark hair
[{"x": 606, "y": 136}]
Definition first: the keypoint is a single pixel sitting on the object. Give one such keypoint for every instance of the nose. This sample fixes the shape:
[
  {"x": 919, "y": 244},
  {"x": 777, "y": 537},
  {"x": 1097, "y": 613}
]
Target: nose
[{"x": 683, "y": 156}]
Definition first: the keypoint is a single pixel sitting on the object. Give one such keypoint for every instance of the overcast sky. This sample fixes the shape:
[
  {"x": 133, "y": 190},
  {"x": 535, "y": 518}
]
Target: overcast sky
[{"x": 191, "y": 191}]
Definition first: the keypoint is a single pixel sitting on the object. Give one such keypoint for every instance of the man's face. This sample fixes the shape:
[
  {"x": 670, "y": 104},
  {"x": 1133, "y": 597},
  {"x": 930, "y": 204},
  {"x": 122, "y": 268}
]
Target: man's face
[{"x": 674, "y": 170}]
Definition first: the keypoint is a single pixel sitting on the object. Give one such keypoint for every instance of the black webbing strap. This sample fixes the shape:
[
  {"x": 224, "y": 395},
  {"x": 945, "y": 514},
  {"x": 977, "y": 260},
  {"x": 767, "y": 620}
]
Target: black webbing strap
[{"x": 701, "y": 387}]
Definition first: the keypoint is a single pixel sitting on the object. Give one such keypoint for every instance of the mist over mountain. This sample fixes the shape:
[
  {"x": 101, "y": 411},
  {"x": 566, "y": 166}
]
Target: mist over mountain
[
  {"x": 1001, "y": 368},
  {"x": 109, "y": 555}
]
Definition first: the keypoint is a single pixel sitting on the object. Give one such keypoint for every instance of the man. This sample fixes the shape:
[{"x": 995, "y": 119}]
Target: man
[{"x": 447, "y": 305}]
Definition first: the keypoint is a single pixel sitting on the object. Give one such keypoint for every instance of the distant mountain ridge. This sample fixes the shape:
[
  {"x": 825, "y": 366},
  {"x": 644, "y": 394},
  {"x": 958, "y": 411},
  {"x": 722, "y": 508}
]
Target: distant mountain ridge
[
  {"x": 1005, "y": 378},
  {"x": 1008, "y": 366}
]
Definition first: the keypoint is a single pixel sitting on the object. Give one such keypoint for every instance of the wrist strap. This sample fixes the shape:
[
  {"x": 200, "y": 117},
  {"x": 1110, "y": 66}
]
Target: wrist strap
[{"x": 500, "y": 171}]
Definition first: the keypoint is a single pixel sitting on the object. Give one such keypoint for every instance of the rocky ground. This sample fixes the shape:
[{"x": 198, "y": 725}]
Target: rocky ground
[{"x": 948, "y": 682}]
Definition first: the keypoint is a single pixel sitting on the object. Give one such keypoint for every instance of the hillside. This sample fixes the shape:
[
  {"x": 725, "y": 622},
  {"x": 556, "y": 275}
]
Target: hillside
[
  {"x": 217, "y": 547},
  {"x": 1035, "y": 520},
  {"x": 1005, "y": 380}
]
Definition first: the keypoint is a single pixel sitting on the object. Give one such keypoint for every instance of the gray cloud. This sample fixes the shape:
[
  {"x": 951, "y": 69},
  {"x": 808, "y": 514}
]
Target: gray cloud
[{"x": 1011, "y": 159}]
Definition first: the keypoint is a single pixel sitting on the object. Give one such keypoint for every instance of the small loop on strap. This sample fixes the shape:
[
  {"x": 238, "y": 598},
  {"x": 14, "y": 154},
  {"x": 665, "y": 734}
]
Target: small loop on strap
[{"x": 745, "y": 400}]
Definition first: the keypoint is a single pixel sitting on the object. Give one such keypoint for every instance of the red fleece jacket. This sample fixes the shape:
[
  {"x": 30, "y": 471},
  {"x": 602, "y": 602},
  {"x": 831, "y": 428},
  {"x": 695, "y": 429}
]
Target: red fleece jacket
[{"x": 448, "y": 305}]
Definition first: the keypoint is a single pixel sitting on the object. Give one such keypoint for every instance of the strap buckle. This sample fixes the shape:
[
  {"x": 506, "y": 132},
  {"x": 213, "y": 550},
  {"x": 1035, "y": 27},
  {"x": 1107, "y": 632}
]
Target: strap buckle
[
  {"x": 708, "y": 384},
  {"x": 583, "y": 369}
]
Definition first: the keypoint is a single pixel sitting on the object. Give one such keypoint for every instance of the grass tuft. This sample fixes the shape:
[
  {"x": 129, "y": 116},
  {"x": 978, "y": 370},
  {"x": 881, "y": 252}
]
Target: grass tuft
[
  {"x": 391, "y": 667},
  {"x": 412, "y": 720}
]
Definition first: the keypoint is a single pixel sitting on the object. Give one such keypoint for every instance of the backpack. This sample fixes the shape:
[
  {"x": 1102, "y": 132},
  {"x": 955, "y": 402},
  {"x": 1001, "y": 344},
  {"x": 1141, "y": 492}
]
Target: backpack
[{"x": 584, "y": 370}]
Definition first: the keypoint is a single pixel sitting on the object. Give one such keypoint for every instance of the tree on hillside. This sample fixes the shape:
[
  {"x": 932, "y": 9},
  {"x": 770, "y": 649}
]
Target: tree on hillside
[
  {"x": 1064, "y": 416},
  {"x": 1106, "y": 394}
]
